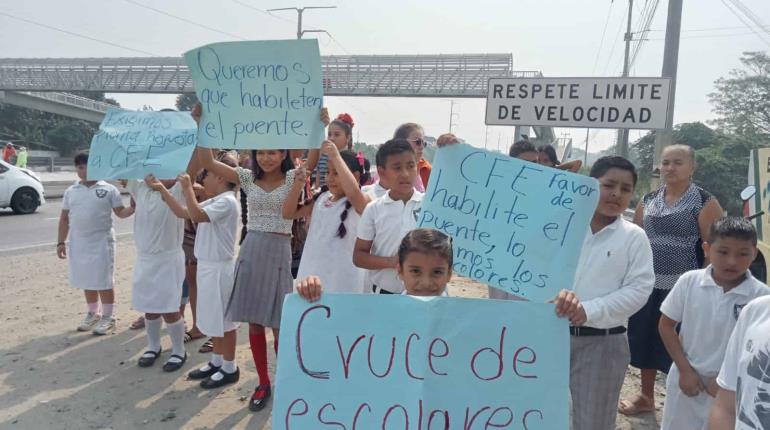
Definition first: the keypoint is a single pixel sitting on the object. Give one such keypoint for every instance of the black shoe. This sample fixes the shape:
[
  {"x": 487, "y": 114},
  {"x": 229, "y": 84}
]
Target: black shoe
[
  {"x": 200, "y": 374},
  {"x": 256, "y": 404},
  {"x": 173, "y": 366},
  {"x": 229, "y": 378},
  {"x": 148, "y": 358}
]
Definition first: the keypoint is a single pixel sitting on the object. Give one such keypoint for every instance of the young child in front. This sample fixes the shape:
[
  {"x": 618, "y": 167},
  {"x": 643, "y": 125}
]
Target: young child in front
[
  {"x": 614, "y": 278},
  {"x": 706, "y": 304},
  {"x": 388, "y": 219},
  {"x": 336, "y": 211},
  {"x": 86, "y": 217},
  {"x": 217, "y": 221},
  {"x": 742, "y": 400}
]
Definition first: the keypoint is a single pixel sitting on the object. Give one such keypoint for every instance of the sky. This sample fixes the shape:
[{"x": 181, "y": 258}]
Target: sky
[{"x": 558, "y": 37}]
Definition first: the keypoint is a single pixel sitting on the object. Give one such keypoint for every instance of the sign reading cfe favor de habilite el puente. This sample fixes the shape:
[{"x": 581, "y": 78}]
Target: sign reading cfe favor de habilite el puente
[{"x": 639, "y": 103}]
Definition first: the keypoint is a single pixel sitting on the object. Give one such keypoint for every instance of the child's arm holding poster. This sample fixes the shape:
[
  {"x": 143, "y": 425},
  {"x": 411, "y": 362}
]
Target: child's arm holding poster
[{"x": 177, "y": 208}]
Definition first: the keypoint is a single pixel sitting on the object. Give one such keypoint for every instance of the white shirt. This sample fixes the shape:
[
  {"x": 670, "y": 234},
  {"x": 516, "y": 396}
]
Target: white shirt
[
  {"x": 708, "y": 315},
  {"x": 375, "y": 191},
  {"x": 328, "y": 256},
  {"x": 156, "y": 228},
  {"x": 614, "y": 276},
  {"x": 215, "y": 240},
  {"x": 746, "y": 364},
  {"x": 90, "y": 208},
  {"x": 385, "y": 222}
]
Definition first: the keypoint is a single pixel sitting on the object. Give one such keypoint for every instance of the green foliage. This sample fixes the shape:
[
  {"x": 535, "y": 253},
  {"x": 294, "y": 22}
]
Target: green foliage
[
  {"x": 742, "y": 100},
  {"x": 186, "y": 101},
  {"x": 70, "y": 137}
]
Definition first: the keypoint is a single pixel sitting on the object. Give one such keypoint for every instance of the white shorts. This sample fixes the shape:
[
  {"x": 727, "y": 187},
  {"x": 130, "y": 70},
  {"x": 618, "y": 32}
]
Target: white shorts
[
  {"x": 681, "y": 412},
  {"x": 215, "y": 285},
  {"x": 158, "y": 278}
]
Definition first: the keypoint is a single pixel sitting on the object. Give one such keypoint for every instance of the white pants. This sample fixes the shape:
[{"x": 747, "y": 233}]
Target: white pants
[
  {"x": 215, "y": 285},
  {"x": 681, "y": 412}
]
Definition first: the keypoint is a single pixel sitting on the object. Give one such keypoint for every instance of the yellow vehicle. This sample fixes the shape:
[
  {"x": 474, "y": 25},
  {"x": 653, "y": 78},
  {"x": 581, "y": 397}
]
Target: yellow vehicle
[{"x": 756, "y": 206}]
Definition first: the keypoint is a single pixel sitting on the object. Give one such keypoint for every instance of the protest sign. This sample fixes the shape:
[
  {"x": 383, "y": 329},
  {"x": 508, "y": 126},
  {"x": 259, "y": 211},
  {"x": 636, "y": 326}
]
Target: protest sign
[
  {"x": 397, "y": 362},
  {"x": 259, "y": 94},
  {"x": 640, "y": 103},
  {"x": 516, "y": 226},
  {"x": 130, "y": 145}
]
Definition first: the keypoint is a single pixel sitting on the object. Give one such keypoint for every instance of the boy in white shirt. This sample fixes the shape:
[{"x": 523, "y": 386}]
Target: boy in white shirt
[
  {"x": 743, "y": 399},
  {"x": 706, "y": 304},
  {"x": 86, "y": 217},
  {"x": 388, "y": 219},
  {"x": 614, "y": 278},
  {"x": 217, "y": 220}
]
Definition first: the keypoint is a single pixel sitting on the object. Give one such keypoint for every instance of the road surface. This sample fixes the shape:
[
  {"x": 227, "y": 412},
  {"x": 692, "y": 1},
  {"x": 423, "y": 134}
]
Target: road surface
[{"x": 23, "y": 233}]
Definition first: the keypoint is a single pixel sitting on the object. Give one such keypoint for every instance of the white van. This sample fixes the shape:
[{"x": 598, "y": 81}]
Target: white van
[{"x": 20, "y": 189}]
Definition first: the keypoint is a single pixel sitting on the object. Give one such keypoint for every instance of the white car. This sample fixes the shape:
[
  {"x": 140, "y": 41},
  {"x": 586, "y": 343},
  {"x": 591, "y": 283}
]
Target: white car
[{"x": 20, "y": 188}]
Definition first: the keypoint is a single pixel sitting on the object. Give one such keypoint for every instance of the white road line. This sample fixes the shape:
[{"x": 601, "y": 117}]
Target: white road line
[{"x": 42, "y": 245}]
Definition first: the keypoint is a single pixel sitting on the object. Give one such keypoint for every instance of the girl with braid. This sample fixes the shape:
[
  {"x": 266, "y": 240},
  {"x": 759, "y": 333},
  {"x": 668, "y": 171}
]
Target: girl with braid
[{"x": 336, "y": 210}]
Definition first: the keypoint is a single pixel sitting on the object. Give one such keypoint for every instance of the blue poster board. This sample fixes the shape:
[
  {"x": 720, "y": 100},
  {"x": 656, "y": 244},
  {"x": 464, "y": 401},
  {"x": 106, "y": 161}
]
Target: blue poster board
[
  {"x": 131, "y": 145},
  {"x": 516, "y": 226},
  {"x": 259, "y": 94},
  {"x": 378, "y": 362}
]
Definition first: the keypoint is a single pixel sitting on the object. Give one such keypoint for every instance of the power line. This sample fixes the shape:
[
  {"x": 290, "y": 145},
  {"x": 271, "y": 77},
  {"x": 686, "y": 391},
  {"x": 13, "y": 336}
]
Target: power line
[
  {"x": 617, "y": 36},
  {"x": 645, "y": 26},
  {"x": 604, "y": 32},
  {"x": 709, "y": 36},
  {"x": 750, "y": 15},
  {"x": 179, "y": 18},
  {"x": 82, "y": 36},
  {"x": 742, "y": 27},
  {"x": 743, "y": 20},
  {"x": 246, "y": 5}
]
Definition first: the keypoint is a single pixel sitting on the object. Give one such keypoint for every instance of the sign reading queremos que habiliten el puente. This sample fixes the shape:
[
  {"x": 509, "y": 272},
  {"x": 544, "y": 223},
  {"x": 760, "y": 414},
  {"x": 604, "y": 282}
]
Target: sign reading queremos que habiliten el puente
[{"x": 639, "y": 103}]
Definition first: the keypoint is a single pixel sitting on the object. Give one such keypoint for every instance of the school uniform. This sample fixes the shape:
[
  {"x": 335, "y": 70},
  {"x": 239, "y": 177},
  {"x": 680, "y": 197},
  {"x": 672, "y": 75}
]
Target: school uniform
[
  {"x": 91, "y": 247},
  {"x": 328, "y": 256},
  {"x": 707, "y": 316},
  {"x": 745, "y": 367},
  {"x": 159, "y": 265},
  {"x": 385, "y": 222},
  {"x": 614, "y": 278},
  {"x": 215, "y": 252},
  {"x": 375, "y": 190}
]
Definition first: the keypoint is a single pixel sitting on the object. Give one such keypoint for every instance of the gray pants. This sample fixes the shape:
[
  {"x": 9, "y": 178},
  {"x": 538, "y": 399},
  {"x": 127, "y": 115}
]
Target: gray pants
[{"x": 597, "y": 369}]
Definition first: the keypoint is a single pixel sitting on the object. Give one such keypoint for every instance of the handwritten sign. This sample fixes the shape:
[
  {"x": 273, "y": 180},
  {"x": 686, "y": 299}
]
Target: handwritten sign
[
  {"x": 259, "y": 95},
  {"x": 517, "y": 226},
  {"x": 130, "y": 145},
  {"x": 374, "y": 362},
  {"x": 640, "y": 103}
]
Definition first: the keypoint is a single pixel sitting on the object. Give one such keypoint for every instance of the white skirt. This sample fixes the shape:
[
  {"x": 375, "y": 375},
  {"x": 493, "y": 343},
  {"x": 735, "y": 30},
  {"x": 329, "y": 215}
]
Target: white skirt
[
  {"x": 92, "y": 261},
  {"x": 158, "y": 282},
  {"x": 681, "y": 411},
  {"x": 215, "y": 285}
]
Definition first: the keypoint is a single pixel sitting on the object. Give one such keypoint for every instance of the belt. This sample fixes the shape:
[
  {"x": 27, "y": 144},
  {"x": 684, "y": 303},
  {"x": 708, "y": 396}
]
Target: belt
[{"x": 590, "y": 331}]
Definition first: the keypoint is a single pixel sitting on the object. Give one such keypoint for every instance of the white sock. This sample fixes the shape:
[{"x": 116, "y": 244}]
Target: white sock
[
  {"x": 176, "y": 333},
  {"x": 229, "y": 366},
  {"x": 152, "y": 328},
  {"x": 216, "y": 360}
]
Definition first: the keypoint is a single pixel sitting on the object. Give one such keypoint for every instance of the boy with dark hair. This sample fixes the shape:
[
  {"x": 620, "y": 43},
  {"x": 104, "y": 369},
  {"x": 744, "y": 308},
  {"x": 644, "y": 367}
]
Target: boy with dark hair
[
  {"x": 706, "y": 304},
  {"x": 614, "y": 278},
  {"x": 86, "y": 218},
  {"x": 524, "y": 150},
  {"x": 388, "y": 219}
]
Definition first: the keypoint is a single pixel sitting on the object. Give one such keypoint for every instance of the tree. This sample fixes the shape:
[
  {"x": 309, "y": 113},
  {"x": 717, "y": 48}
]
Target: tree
[
  {"x": 742, "y": 100},
  {"x": 69, "y": 137},
  {"x": 186, "y": 101}
]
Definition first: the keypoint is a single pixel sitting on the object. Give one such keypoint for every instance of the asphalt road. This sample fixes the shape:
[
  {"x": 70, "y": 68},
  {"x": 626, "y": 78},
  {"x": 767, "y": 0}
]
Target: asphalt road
[{"x": 23, "y": 233}]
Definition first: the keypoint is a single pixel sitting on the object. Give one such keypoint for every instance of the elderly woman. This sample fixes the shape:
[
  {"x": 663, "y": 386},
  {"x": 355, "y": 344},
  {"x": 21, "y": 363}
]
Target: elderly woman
[{"x": 676, "y": 217}]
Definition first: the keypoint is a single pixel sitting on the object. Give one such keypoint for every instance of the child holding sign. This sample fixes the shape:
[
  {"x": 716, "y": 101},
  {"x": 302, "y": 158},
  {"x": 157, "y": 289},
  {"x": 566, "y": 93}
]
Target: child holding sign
[
  {"x": 388, "y": 219},
  {"x": 614, "y": 277},
  {"x": 217, "y": 220},
  {"x": 86, "y": 218},
  {"x": 263, "y": 269},
  {"x": 340, "y": 132},
  {"x": 705, "y": 304},
  {"x": 336, "y": 211}
]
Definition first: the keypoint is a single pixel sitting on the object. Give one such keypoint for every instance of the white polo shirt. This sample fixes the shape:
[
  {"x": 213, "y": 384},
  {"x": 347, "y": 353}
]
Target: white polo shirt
[
  {"x": 707, "y": 315},
  {"x": 215, "y": 240},
  {"x": 385, "y": 222},
  {"x": 90, "y": 208},
  {"x": 375, "y": 191},
  {"x": 744, "y": 370},
  {"x": 614, "y": 276},
  {"x": 156, "y": 228}
]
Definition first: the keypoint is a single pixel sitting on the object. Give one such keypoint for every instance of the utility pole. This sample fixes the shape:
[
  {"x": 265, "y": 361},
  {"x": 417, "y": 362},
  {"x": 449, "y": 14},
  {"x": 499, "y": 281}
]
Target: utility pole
[
  {"x": 486, "y": 136},
  {"x": 670, "y": 62},
  {"x": 585, "y": 156},
  {"x": 452, "y": 114},
  {"x": 300, "y": 31},
  {"x": 623, "y": 133}
]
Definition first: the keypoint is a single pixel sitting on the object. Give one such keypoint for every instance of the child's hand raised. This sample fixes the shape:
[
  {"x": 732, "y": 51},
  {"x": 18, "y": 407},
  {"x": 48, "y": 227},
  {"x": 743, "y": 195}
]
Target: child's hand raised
[
  {"x": 184, "y": 179},
  {"x": 329, "y": 149},
  {"x": 300, "y": 175},
  {"x": 325, "y": 116},
  {"x": 153, "y": 182},
  {"x": 310, "y": 288}
]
